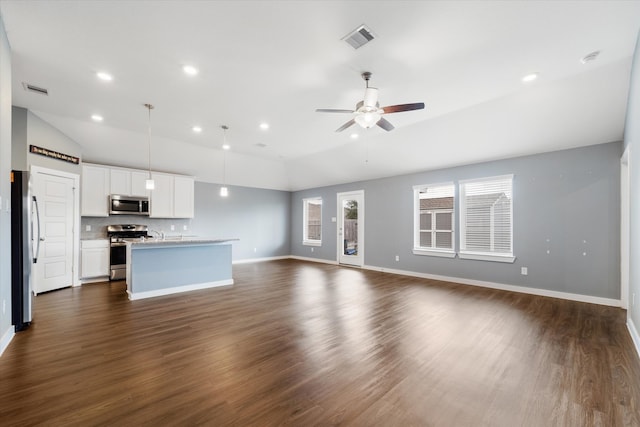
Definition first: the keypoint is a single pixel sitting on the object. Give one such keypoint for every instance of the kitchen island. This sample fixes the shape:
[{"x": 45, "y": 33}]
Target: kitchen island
[{"x": 166, "y": 266}]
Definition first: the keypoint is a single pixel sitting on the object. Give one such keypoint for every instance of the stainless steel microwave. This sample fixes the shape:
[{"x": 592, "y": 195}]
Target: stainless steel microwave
[{"x": 127, "y": 205}]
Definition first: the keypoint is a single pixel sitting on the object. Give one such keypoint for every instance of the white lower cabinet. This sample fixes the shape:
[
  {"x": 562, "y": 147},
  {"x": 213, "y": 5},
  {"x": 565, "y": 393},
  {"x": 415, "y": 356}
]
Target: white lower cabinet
[{"x": 94, "y": 258}]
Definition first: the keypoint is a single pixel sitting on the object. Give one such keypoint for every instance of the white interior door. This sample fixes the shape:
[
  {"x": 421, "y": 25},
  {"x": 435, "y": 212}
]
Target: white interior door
[
  {"x": 351, "y": 228},
  {"x": 54, "y": 267}
]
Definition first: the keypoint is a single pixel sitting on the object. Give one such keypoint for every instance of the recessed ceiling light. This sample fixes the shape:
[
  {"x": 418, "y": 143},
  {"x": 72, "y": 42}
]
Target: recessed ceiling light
[
  {"x": 264, "y": 126},
  {"x": 104, "y": 76},
  {"x": 196, "y": 129},
  {"x": 190, "y": 70},
  {"x": 97, "y": 118},
  {"x": 529, "y": 77},
  {"x": 226, "y": 147},
  {"x": 354, "y": 136}
]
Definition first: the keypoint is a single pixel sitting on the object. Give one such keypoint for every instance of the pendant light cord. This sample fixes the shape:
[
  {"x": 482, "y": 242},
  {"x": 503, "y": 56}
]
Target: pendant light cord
[
  {"x": 224, "y": 154},
  {"x": 149, "y": 107}
]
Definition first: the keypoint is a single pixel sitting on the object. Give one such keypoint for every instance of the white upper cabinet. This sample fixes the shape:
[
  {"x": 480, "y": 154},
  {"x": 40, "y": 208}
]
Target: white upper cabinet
[
  {"x": 127, "y": 182},
  {"x": 120, "y": 182},
  {"x": 172, "y": 197},
  {"x": 183, "y": 189},
  {"x": 94, "y": 190},
  {"x": 138, "y": 183},
  {"x": 161, "y": 199}
]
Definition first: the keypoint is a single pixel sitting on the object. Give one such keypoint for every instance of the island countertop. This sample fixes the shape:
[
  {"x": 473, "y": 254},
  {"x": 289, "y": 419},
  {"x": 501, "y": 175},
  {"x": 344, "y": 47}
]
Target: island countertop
[{"x": 177, "y": 240}]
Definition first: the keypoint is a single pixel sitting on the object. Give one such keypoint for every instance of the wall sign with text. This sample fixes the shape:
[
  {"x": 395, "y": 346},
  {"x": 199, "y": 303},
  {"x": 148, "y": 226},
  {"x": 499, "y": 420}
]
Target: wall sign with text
[{"x": 54, "y": 154}]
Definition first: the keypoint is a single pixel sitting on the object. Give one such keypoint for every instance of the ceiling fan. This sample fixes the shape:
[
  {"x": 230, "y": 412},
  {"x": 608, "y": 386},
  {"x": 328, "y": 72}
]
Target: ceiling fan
[{"x": 368, "y": 112}]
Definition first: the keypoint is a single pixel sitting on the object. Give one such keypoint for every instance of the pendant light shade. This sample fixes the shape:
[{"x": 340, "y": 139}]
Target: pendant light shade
[
  {"x": 224, "y": 191},
  {"x": 149, "y": 184}
]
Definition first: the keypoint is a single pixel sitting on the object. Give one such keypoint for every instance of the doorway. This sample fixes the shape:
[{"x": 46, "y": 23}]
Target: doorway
[
  {"x": 351, "y": 228},
  {"x": 58, "y": 199}
]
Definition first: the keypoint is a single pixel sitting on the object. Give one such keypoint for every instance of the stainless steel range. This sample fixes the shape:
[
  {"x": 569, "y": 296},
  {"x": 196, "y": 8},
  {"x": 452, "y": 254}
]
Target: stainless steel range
[{"x": 118, "y": 251}]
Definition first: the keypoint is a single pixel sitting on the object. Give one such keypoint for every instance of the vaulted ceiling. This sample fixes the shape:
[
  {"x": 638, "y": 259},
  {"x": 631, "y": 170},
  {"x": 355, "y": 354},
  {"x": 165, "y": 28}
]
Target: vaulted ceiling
[{"x": 277, "y": 61}]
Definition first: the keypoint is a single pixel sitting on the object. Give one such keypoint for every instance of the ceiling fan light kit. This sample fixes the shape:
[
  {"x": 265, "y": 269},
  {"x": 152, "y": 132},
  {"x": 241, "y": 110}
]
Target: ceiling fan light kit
[{"x": 368, "y": 112}]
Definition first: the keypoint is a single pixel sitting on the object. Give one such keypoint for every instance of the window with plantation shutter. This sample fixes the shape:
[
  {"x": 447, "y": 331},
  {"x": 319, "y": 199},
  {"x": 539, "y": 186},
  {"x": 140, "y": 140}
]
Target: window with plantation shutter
[
  {"x": 434, "y": 232},
  {"x": 486, "y": 219}
]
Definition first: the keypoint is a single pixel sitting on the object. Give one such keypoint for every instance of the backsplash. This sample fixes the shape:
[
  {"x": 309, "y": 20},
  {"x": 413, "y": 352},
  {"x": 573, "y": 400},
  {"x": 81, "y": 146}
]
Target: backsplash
[{"x": 99, "y": 225}]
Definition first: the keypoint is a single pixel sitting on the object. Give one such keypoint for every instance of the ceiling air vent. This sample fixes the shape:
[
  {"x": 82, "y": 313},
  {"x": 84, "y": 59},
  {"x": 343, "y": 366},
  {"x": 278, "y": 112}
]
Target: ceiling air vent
[
  {"x": 35, "y": 89},
  {"x": 359, "y": 37},
  {"x": 590, "y": 57}
]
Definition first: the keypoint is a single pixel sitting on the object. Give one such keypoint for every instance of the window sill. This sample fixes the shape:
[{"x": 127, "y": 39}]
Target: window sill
[
  {"x": 434, "y": 252},
  {"x": 312, "y": 243},
  {"x": 479, "y": 256}
]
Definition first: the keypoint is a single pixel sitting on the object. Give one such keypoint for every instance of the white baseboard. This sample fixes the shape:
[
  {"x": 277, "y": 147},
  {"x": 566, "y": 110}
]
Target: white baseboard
[
  {"x": 503, "y": 287},
  {"x": 178, "y": 289},
  {"x": 6, "y": 339},
  {"x": 634, "y": 334},
  {"x": 323, "y": 261},
  {"x": 94, "y": 280},
  {"x": 250, "y": 260}
]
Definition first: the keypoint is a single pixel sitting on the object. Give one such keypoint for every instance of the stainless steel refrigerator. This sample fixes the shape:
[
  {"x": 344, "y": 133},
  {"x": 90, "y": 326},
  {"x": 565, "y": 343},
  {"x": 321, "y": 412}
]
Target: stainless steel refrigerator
[{"x": 25, "y": 231}]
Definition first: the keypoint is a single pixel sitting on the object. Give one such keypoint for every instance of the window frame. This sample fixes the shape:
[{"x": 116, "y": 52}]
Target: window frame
[
  {"x": 433, "y": 251},
  {"x": 463, "y": 253},
  {"x": 305, "y": 219}
]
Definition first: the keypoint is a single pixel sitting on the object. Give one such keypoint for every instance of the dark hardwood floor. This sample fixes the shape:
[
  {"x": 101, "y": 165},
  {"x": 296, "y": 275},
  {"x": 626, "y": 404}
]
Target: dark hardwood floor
[{"x": 296, "y": 343}]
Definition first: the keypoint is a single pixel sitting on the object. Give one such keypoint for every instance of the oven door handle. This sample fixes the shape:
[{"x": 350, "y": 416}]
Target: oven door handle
[{"x": 118, "y": 244}]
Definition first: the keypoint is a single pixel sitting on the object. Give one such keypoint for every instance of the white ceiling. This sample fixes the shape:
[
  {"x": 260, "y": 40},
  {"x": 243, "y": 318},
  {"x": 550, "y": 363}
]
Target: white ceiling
[{"x": 277, "y": 61}]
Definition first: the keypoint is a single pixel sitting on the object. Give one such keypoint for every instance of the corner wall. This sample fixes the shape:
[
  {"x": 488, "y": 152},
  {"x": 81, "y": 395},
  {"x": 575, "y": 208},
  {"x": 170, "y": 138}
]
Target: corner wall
[
  {"x": 6, "y": 328},
  {"x": 564, "y": 202},
  {"x": 30, "y": 129},
  {"x": 632, "y": 142}
]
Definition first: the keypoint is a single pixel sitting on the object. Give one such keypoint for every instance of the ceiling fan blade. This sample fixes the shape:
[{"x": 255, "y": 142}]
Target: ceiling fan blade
[
  {"x": 403, "y": 107},
  {"x": 332, "y": 110},
  {"x": 384, "y": 124},
  {"x": 346, "y": 125}
]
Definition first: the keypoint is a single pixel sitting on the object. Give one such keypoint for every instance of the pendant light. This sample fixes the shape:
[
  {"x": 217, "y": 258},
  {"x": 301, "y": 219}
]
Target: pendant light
[
  {"x": 224, "y": 191},
  {"x": 149, "y": 184}
]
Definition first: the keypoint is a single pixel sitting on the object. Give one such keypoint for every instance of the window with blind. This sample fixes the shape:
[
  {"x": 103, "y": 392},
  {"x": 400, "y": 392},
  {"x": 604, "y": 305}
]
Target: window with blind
[
  {"x": 434, "y": 231},
  {"x": 486, "y": 219},
  {"x": 312, "y": 222}
]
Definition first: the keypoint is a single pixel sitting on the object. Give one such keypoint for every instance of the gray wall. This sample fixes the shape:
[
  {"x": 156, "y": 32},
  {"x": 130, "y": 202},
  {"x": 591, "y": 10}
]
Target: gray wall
[
  {"x": 569, "y": 197},
  {"x": 29, "y": 129},
  {"x": 19, "y": 144},
  {"x": 632, "y": 141},
  {"x": 258, "y": 217},
  {"x": 5, "y": 184}
]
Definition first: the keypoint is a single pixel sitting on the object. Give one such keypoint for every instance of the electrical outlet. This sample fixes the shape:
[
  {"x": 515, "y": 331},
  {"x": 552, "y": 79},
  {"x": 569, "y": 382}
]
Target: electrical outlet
[
  {"x": 524, "y": 271},
  {"x": 255, "y": 250},
  {"x": 311, "y": 249},
  {"x": 87, "y": 228},
  {"x": 397, "y": 257},
  {"x": 4, "y": 306},
  {"x": 333, "y": 219},
  {"x": 185, "y": 228},
  {"x": 173, "y": 227}
]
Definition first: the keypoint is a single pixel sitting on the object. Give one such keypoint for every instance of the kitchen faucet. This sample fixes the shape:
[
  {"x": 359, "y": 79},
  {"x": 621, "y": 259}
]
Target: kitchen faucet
[{"x": 160, "y": 234}]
